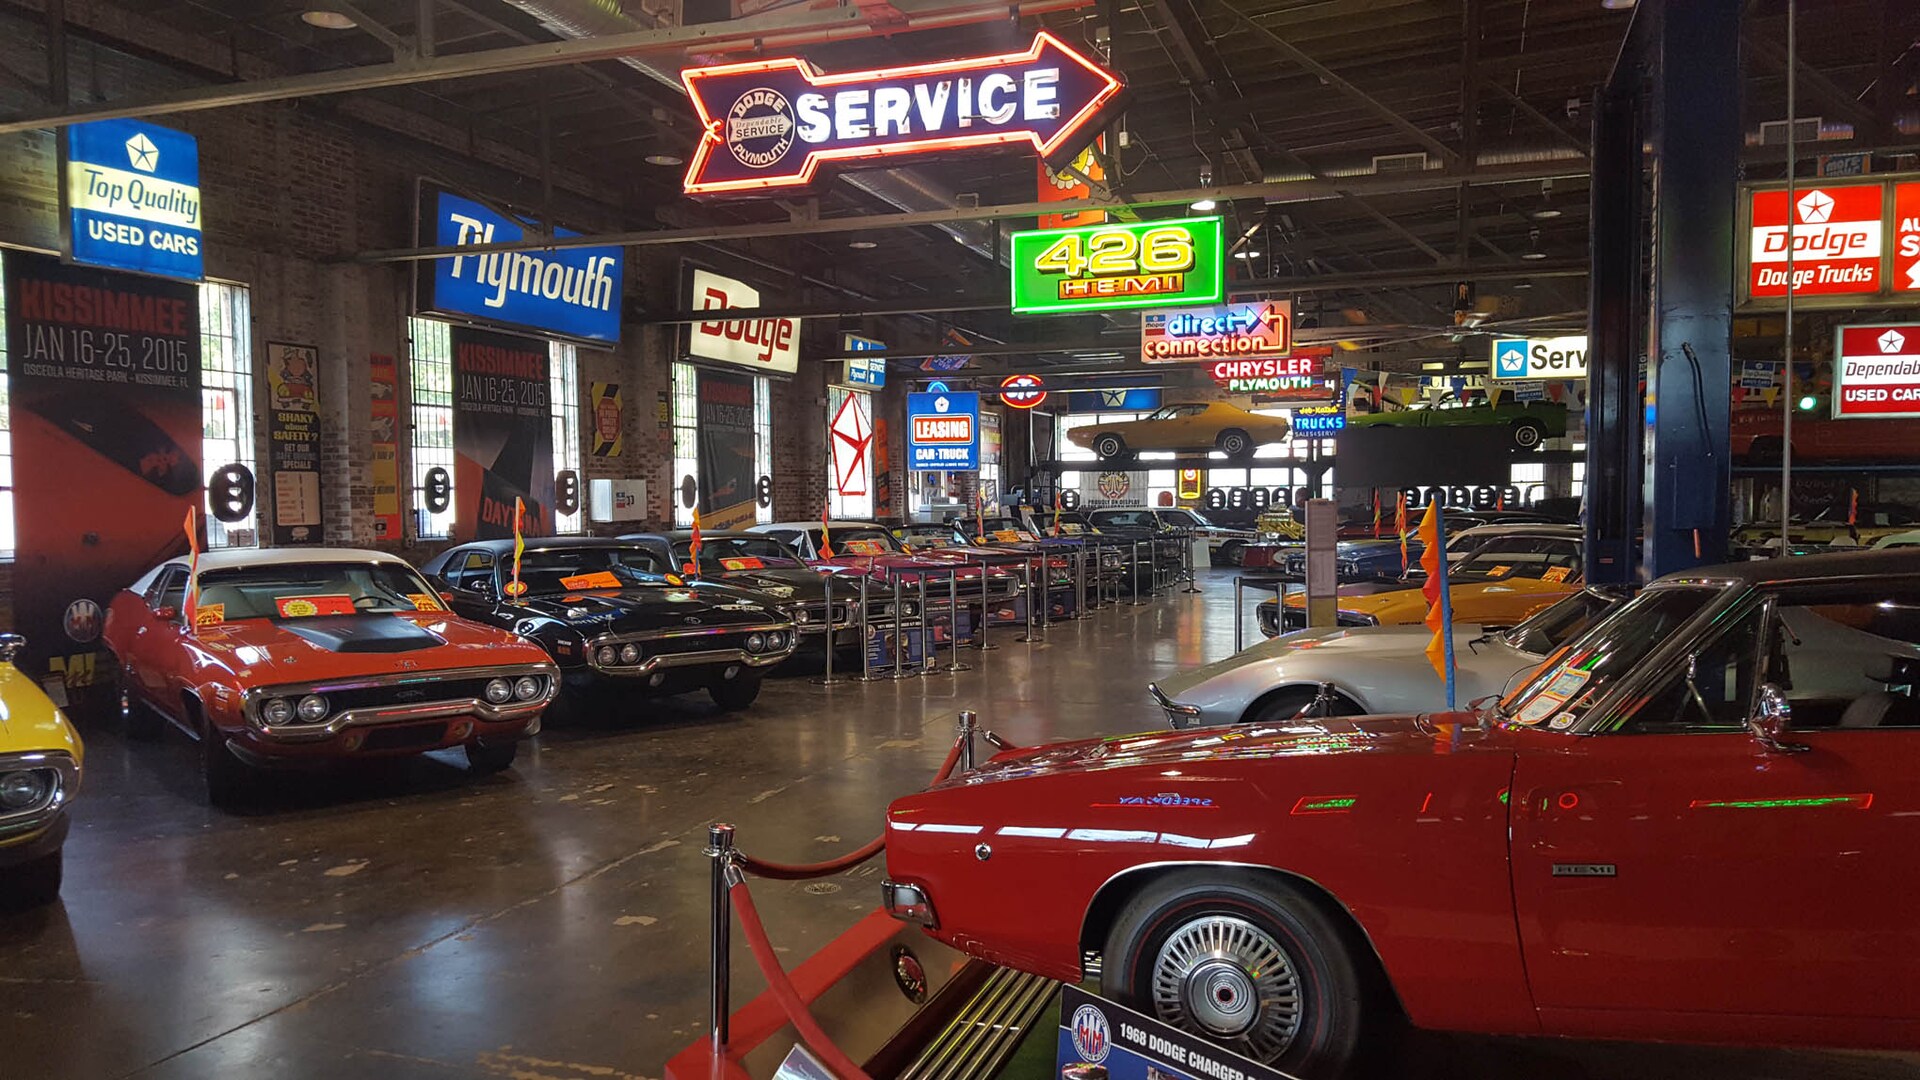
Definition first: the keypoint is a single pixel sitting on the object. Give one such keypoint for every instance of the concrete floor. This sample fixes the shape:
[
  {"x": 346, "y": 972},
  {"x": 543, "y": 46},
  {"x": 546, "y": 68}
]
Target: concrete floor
[{"x": 549, "y": 923}]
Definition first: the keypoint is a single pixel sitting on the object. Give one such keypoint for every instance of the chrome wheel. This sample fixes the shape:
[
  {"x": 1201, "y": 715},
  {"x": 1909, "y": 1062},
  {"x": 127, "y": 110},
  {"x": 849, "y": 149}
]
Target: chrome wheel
[{"x": 1226, "y": 978}]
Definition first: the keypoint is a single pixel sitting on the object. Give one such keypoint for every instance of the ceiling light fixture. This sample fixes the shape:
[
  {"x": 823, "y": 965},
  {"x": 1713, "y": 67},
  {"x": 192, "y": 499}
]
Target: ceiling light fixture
[
  {"x": 1204, "y": 205},
  {"x": 1533, "y": 254},
  {"x": 1246, "y": 254},
  {"x": 1617, "y": 5},
  {"x": 327, "y": 20},
  {"x": 665, "y": 159},
  {"x": 862, "y": 245}
]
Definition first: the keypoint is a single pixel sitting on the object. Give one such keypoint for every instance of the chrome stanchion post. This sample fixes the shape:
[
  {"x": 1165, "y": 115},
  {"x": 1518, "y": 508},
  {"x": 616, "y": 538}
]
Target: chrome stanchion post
[
  {"x": 832, "y": 633},
  {"x": 1186, "y": 565},
  {"x": 720, "y": 850},
  {"x": 1080, "y": 583},
  {"x": 1133, "y": 578},
  {"x": 1026, "y": 589},
  {"x": 899, "y": 645},
  {"x": 953, "y": 621},
  {"x": 1239, "y": 616},
  {"x": 1280, "y": 609},
  {"x": 866, "y": 635},
  {"x": 986, "y": 615},
  {"x": 1045, "y": 615},
  {"x": 928, "y": 654},
  {"x": 968, "y": 721}
]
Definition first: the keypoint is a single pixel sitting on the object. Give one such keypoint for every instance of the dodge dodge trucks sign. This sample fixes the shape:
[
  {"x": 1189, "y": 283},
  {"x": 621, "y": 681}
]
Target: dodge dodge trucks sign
[
  {"x": 772, "y": 124},
  {"x": 1837, "y": 241},
  {"x": 1876, "y": 371}
]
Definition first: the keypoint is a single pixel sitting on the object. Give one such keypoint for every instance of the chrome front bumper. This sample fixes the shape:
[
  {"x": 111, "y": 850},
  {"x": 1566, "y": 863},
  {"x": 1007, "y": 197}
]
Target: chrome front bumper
[
  {"x": 411, "y": 712},
  {"x": 1178, "y": 715},
  {"x": 647, "y": 665}
]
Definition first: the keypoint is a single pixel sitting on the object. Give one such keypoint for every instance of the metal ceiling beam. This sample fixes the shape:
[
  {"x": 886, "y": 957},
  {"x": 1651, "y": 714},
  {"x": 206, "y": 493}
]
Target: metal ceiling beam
[
  {"x": 399, "y": 46},
  {"x": 1326, "y": 75},
  {"x": 1817, "y": 83},
  {"x": 1307, "y": 283},
  {"x": 1525, "y": 109},
  {"x": 1274, "y": 193},
  {"x": 774, "y": 30}
]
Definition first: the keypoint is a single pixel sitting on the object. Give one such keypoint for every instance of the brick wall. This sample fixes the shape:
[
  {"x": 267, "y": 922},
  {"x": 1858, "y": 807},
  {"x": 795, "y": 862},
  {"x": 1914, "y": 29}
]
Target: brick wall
[{"x": 293, "y": 190}]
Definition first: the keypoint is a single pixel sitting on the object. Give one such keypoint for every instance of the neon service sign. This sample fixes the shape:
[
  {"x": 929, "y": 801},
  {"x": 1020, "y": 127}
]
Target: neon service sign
[
  {"x": 1120, "y": 265},
  {"x": 774, "y": 123}
]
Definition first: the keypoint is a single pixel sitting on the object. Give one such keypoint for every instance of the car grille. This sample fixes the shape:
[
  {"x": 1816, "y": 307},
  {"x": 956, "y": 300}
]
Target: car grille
[{"x": 405, "y": 693}]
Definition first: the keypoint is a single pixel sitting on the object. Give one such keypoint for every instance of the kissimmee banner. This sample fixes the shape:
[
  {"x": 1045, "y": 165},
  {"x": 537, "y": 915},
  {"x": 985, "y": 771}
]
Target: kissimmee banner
[
  {"x": 727, "y": 494},
  {"x": 104, "y": 372},
  {"x": 502, "y": 434},
  {"x": 293, "y": 443}
]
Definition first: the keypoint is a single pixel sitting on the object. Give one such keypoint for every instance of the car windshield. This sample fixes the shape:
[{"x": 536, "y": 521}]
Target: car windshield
[
  {"x": 722, "y": 553},
  {"x": 567, "y": 570},
  {"x": 1185, "y": 518},
  {"x": 299, "y": 590},
  {"x": 1562, "y": 622},
  {"x": 1125, "y": 519},
  {"x": 1542, "y": 559},
  {"x": 858, "y": 540},
  {"x": 1561, "y": 689}
]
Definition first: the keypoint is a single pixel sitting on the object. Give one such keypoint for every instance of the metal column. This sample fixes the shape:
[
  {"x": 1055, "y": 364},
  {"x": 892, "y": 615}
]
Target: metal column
[
  {"x": 1695, "y": 118},
  {"x": 1616, "y": 448}
]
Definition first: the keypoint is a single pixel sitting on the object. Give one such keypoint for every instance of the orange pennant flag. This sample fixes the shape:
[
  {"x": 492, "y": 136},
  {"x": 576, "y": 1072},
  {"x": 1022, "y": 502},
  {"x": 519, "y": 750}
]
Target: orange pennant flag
[
  {"x": 692, "y": 568},
  {"x": 192, "y": 598}
]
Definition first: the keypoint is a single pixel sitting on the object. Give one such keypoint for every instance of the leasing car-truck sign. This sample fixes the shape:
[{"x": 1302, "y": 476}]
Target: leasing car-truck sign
[
  {"x": 943, "y": 432},
  {"x": 1876, "y": 371}
]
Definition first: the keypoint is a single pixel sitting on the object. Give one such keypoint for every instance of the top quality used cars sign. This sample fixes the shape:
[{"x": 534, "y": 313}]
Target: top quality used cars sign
[
  {"x": 943, "y": 432},
  {"x": 773, "y": 123},
  {"x": 574, "y": 292},
  {"x": 134, "y": 189},
  {"x": 1540, "y": 358}
]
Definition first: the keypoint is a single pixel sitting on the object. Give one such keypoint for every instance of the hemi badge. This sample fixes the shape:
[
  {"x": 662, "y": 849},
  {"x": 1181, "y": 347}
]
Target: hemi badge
[{"x": 1583, "y": 869}]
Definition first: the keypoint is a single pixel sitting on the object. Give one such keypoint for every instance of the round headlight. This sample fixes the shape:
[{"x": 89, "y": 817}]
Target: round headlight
[
  {"x": 526, "y": 688},
  {"x": 629, "y": 653},
  {"x": 499, "y": 691},
  {"x": 886, "y": 611},
  {"x": 277, "y": 711},
  {"x": 776, "y": 639},
  {"x": 908, "y": 608},
  {"x": 606, "y": 655},
  {"x": 311, "y": 708},
  {"x": 19, "y": 790},
  {"x": 756, "y": 642},
  {"x": 802, "y": 615}
]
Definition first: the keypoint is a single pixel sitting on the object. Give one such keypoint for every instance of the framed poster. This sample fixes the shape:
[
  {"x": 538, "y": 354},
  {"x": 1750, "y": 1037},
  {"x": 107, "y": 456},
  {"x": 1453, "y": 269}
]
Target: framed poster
[{"x": 293, "y": 443}]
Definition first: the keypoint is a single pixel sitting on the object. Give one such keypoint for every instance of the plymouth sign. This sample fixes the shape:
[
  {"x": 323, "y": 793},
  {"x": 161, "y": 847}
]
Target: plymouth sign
[{"x": 772, "y": 124}]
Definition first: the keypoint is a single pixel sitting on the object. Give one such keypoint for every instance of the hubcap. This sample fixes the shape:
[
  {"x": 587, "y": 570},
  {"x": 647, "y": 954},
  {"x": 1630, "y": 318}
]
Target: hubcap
[{"x": 1226, "y": 978}]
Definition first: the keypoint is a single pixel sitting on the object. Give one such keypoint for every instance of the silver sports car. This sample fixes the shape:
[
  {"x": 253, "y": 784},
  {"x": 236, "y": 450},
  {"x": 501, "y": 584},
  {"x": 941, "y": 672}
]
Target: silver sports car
[{"x": 1375, "y": 669}]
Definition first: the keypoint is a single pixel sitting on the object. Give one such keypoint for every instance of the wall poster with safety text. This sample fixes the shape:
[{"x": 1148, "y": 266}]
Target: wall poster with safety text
[
  {"x": 104, "y": 373},
  {"x": 383, "y": 449},
  {"x": 502, "y": 434},
  {"x": 293, "y": 443},
  {"x": 727, "y": 490}
]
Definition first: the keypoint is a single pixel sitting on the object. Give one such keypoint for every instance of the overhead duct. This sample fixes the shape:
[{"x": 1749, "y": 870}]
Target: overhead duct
[
  {"x": 1405, "y": 163},
  {"x": 906, "y": 189}
]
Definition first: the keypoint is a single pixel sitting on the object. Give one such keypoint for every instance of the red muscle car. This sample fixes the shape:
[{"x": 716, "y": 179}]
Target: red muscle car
[
  {"x": 1694, "y": 822},
  {"x": 308, "y": 655}
]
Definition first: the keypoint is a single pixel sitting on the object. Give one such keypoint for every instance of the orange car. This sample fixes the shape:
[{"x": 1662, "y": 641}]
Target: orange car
[{"x": 1229, "y": 429}]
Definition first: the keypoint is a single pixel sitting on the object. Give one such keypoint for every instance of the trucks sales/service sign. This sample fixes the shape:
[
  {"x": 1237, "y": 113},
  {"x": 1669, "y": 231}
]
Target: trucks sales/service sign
[{"x": 1876, "y": 371}]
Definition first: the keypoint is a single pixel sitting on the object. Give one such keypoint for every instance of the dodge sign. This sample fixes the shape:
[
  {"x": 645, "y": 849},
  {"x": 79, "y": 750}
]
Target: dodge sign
[
  {"x": 768, "y": 344},
  {"x": 1876, "y": 371},
  {"x": 1837, "y": 241}
]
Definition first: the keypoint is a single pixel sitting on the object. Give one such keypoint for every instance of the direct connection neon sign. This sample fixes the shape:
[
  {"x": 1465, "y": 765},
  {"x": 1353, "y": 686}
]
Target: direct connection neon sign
[
  {"x": 774, "y": 123},
  {"x": 1236, "y": 330},
  {"x": 1120, "y": 265}
]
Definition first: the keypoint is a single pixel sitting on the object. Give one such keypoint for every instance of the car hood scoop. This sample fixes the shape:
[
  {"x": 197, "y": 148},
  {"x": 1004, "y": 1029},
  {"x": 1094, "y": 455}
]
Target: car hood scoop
[{"x": 363, "y": 634}]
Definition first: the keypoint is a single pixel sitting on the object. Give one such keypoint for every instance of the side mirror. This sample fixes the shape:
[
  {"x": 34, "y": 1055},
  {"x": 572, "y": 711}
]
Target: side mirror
[
  {"x": 11, "y": 646},
  {"x": 166, "y": 613},
  {"x": 1771, "y": 720}
]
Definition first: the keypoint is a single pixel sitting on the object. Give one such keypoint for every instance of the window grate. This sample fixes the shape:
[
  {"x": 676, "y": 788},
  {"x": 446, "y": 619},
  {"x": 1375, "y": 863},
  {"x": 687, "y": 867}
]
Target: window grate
[
  {"x": 226, "y": 396},
  {"x": 563, "y": 375},
  {"x": 430, "y": 376}
]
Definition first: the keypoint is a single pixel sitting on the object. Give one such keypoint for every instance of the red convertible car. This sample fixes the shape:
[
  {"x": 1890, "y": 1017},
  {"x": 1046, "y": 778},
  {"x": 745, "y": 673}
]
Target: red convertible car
[
  {"x": 303, "y": 656},
  {"x": 1695, "y": 822}
]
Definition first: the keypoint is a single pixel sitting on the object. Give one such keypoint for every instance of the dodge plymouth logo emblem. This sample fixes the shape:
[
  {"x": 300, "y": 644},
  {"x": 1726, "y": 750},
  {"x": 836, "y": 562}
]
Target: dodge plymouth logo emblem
[{"x": 909, "y": 975}]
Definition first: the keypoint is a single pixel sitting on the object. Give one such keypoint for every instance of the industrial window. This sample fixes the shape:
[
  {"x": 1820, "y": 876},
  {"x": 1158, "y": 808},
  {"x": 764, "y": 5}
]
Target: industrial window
[
  {"x": 6, "y": 439},
  {"x": 858, "y": 506},
  {"x": 686, "y": 438},
  {"x": 430, "y": 376},
  {"x": 1579, "y": 485},
  {"x": 563, "y": 373},
  {"x": 226, "y": 395}
]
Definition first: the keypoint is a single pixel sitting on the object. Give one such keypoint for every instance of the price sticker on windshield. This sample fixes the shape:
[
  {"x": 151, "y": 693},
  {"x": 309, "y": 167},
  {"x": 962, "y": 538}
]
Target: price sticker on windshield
[
  {"x": 598, "y": 579},
  {"x": 1500, "y": 571},
  {"x": 864, "y": 547},
  {"x": 425, "y": 601},
  {"x": 306, "y": 607},
  {"x": 1556, "y": 574},
  {"x": 207, "y": 615},
  {"x": 747, "y": 562},
  {"x": 1007, "y": 536}
]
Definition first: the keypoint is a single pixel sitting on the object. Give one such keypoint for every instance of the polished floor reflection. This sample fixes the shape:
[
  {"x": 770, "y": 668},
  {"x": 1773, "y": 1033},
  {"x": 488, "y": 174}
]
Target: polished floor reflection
[{"x": 410, "y": 921}]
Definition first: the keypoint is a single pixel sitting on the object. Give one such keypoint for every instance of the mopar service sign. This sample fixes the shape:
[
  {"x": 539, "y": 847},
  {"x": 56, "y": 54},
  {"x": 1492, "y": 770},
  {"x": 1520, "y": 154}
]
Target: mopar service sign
[
  {"x": 943, "y": 432},
  {"x": 573, "y": 293},
  {"x": 1100, "y": 1040},
  {"x": 1540, "y": 358},
  {"x": 772, "y": 124},
  {"x": 1876, "y": 371},
  {"x": 133, "y": 190}
]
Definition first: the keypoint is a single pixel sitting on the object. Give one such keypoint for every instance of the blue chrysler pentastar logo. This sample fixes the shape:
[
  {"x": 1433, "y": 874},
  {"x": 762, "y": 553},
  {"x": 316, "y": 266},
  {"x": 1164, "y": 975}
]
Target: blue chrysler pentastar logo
[
  {"x": 1509, "y": 358},
  {"x": 1091, "y": 1039}
]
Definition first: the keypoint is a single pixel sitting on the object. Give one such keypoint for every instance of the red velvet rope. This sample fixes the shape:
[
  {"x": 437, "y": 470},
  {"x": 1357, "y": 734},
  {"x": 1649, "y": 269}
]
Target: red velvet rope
[
  {"x": 804, "y": 871},
  {"x": 835, "y": 1059}
]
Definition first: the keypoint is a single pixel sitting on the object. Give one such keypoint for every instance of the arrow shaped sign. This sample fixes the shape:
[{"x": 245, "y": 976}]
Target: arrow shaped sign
[{"x": 771, "y": 124}]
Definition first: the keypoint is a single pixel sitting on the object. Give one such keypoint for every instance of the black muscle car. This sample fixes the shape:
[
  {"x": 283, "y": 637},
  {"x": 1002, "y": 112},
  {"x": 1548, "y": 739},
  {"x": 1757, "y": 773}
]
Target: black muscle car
[
  {"x": 769, "y": 568},
  {"x": 616, "y": 617}
]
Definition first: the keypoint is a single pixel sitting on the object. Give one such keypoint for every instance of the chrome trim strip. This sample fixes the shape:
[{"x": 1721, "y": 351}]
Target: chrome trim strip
[
  {"x": 66, "y": 782},
  {"x": 660, "y": 661},
  {"x": 640, "y": 636}
]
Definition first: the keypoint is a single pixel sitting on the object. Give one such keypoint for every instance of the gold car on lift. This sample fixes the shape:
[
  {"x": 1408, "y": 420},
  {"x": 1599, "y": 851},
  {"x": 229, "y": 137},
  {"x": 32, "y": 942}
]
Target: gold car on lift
[{"x": 1193, "y": 427}]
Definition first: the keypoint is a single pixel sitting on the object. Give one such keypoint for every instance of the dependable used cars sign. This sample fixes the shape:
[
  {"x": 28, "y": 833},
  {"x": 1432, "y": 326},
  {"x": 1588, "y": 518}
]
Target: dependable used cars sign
[
  {"x": 1876, "y": 371},
  {"x": 943, "y": 432},
  {"x": 133, "y": 192}
]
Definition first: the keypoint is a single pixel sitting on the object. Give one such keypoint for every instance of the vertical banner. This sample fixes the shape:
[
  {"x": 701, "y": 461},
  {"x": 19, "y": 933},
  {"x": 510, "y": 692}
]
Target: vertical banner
[
  {"x": 727, "y": 495},
  {"x": 502, "y": 434},
  {"x": 609, "y": 418},
  {"x": 383, "y": 449},
  {"x": 882, "y": 471},
  {"x": 105, "y": 412},
  {"x": 293, "y": 443}
]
